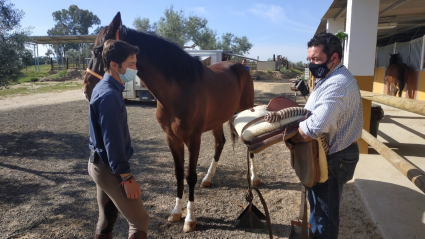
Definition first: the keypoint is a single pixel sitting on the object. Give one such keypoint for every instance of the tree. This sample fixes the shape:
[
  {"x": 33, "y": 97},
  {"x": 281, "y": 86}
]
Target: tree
[
  {"x": 13, "y": 55},
  {"x": 192, "y": 32},
  {"x": 237, "y": 45},
  {"x": 173, "y": 26},
  {"x": 143, "y": 25},
  {"x": 299, "y": 64},
  {"x": 74, "y": 21},
  {"x": 50, "y": 53}
]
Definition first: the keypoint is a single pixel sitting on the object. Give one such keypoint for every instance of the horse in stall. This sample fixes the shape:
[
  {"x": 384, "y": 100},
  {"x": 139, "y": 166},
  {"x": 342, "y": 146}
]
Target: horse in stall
[
  {"x": 396, "y": 75},
  {"x": 191, "y": 99}
]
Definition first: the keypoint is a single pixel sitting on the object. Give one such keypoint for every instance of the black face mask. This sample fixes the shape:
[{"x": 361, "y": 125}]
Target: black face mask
[{"x": 319, "y": 70}]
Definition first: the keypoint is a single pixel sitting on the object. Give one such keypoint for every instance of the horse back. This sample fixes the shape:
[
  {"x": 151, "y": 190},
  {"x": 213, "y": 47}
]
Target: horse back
[{"x": 228, "y": 89}]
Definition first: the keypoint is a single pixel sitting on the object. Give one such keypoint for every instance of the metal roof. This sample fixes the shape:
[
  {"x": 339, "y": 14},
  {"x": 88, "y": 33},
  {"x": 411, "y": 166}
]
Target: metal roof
[
  {"x": 407, "y": 15},
  {"x": 63, "y": 39}
]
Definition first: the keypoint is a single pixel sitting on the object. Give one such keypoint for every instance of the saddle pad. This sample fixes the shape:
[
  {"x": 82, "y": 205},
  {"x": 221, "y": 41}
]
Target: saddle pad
[
  {"x": 262, "y": 127},
  {"x": 246, "y": 116}
]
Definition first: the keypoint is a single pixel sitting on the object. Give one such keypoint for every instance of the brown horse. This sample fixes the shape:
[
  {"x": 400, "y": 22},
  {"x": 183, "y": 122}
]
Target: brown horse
[
  {"x": 396, "y": 76},
  {"x": 191, "y": 99}
]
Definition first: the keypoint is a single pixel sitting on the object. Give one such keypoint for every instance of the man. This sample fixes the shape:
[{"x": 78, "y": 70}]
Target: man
[
  {"x": 336, "y": 108},
  {"x": 244, "y": 63},
  {"x": 110, "y": 145}
]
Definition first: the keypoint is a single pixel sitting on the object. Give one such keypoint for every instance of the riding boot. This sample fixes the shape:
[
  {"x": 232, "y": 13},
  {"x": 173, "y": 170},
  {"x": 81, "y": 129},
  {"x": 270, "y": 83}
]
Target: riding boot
[
  {"x": 103, "y": 236},
  {"x": 139, "y": 235}
]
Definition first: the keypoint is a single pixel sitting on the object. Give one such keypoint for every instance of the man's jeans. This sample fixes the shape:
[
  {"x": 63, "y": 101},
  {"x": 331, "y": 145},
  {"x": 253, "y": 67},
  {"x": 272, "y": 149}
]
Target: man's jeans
[{"x": 324, "y": 198}]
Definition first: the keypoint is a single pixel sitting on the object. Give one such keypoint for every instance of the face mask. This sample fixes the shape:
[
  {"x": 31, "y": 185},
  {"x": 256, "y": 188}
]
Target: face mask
[
  {"x": 319, "y": 70},
  {"x": 128, "y": 75}
]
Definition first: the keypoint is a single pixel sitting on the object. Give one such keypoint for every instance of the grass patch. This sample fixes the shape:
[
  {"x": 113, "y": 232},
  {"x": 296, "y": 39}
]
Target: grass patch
[
  {"x": 30, "y": 74},
  {"x": 60, "y": 74},
  {"x": 297, "y": 71},
  {"x": 42, "y": 88}
]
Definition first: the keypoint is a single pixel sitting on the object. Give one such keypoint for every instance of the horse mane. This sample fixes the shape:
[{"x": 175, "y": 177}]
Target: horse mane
[{"x": 166, "y": 56}]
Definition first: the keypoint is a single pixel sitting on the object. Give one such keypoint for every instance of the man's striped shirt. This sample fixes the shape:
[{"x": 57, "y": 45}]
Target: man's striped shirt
[{"x": 336, "y": 108}]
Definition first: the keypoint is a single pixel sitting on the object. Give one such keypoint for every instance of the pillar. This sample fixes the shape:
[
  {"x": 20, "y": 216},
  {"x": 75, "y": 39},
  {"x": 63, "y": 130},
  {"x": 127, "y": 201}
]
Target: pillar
[
  {"x": 359, "y": 54},
  {"x": 333, "y": 26}
]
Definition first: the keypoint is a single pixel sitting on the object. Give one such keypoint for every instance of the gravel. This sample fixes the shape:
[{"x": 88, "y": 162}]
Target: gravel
[{"x": 46, "y": 192}]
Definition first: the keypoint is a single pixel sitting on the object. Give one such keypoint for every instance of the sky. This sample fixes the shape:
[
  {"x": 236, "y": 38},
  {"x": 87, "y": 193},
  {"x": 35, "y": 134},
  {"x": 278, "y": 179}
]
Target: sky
[{"x": 273, "y": 27}]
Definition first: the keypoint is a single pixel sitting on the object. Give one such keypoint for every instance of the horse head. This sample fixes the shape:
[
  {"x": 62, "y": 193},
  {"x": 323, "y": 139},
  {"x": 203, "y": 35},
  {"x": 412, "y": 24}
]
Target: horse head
[
  {"x": 394, "y": 58},
  {"x": 95, "y": 68}
]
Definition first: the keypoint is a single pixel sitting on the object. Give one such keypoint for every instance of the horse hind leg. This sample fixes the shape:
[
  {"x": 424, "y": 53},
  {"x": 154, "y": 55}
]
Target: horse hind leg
[
  {"x": 400, "y": 88},
  {"x": 401, "y": 80},
  {"x": 219, "y": 141}
]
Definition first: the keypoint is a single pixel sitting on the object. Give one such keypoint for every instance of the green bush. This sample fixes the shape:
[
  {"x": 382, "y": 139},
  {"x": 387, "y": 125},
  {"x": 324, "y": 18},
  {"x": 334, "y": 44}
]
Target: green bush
[
  {"x": 296, "y": 71},
  {"x": 282, "y": 69},
  {"x": 34, "y": 79},
  {"x": 60, "y": 74},
  {"x": 63, "y": 73},
  {"x": 270, "y": 70}
]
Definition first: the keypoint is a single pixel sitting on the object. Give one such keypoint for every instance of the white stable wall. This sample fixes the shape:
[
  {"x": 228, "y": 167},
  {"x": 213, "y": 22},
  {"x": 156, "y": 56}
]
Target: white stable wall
[{"x": 362, "y": 28}]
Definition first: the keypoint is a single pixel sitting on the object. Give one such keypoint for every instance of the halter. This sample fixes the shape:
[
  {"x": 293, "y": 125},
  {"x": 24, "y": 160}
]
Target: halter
[
  {"x": 117, "y": 37},
  {"x": 94, "y": 74}
]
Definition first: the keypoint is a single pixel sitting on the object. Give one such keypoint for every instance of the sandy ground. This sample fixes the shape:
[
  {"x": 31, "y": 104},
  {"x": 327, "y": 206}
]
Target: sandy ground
[
  {"x": 45, "y": 191},
  {"x": 40, "y": 99}
]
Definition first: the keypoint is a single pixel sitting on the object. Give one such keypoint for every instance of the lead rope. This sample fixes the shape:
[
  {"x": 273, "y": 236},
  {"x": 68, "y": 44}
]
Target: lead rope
[{"x": 249, "y": 197}]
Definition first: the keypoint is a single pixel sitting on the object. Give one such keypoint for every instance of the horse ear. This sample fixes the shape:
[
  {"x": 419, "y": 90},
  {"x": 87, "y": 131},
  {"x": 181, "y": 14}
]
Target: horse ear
[{"x": 115, "y": 24}]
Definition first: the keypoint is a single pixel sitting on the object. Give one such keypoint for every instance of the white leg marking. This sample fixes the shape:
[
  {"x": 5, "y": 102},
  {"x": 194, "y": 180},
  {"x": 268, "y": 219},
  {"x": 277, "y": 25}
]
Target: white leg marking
[
  {"x": 179, "y": 204},
  {"x": 211, "y": 171},
  {"x": 190, "y": 217},
  {"x": 255, "y": 180}
]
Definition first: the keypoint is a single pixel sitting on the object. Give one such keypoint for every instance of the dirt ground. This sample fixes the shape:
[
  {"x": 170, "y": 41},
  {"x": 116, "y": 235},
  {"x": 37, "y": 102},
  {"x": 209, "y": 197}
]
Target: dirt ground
[{"x": 46, "y": 192}]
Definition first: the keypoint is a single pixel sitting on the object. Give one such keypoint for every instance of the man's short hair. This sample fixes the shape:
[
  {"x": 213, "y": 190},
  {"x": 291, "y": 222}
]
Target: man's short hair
[
  {"x": 330, "y": 42},
  {"x": 117, "y": 51}
]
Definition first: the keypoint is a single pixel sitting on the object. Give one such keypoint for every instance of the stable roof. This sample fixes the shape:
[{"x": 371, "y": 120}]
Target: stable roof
[
  {"x": 63, "y": 39},
  {"x": 399, "y": 20}
]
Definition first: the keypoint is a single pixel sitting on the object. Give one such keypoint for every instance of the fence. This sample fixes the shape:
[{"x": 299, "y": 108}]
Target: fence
[
  {"x": 68, "y": 63},
  {"x": 413, "y": 173}
]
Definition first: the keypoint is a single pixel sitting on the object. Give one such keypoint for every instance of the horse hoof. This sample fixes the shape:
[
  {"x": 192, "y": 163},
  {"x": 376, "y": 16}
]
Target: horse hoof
[
  {"x": 189, "y": 226},
  {"x": 255, "y": 183},
  {"x": 174, "y": 217},
  {"x": 205, "y": 184}
]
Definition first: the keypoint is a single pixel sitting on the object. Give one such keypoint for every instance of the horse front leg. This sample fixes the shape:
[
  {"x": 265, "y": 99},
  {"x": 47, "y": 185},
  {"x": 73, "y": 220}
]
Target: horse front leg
[
  {"x": 177, "y": 150},
  {"x": 219, "y": 142},
  {"x": 193, "y": 145}
]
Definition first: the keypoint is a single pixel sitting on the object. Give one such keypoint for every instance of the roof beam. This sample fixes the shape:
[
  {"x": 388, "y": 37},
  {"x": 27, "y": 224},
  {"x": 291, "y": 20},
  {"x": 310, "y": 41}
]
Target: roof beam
[
  {"x": 339, "y": 14},
  {"x": 402, "y": 18},
  {"x": 399, "y": 31},
  {"x": 394, "y": 6}
]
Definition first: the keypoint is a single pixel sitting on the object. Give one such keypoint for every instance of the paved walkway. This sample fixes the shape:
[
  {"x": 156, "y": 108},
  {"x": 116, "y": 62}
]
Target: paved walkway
[{"x": 395, "y": 204}]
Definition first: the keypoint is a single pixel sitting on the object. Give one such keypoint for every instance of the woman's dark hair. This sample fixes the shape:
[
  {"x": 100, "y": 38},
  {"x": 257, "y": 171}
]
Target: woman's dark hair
[
  {"x": 117, "y": 51},
  {"x": 330, "y": 42}
]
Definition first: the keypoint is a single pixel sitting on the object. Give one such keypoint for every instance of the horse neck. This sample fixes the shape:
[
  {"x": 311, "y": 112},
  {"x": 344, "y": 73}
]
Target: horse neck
[{"x": 154, "y": 80}]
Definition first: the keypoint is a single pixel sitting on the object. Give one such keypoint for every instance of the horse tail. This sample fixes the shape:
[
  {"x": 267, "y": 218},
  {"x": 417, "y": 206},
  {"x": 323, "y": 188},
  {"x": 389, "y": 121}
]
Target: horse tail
[
  {"x": 233, "y": 135},
  {"x": 401, "y": 80}
]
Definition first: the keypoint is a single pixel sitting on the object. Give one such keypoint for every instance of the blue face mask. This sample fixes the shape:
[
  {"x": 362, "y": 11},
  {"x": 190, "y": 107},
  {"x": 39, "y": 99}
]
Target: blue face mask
[{"x": 128, "y": 75}]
